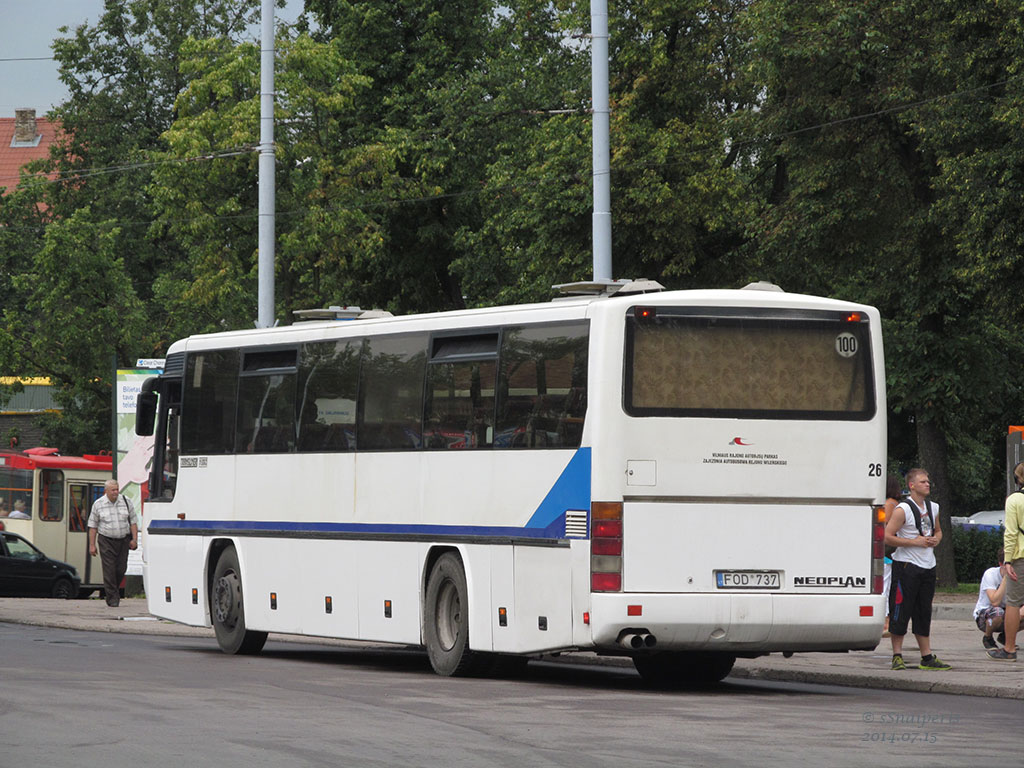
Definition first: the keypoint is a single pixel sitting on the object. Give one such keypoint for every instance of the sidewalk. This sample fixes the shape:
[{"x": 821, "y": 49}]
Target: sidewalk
[{"x": 955, "y": 639}]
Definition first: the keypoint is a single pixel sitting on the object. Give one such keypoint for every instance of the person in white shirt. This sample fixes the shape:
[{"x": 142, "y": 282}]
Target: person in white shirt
[
  {"x": 114, "y": 527},
  {"x": 913, "y": 528},
  {"x": 19, "y": 510},
  {"x": 990, "y": 610}
]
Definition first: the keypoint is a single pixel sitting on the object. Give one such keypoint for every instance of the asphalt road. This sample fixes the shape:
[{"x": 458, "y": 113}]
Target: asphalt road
[{"x": 92, "y": 700}]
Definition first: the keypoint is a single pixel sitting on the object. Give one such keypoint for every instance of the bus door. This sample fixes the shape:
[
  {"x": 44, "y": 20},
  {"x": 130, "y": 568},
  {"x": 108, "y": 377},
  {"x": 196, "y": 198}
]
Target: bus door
[
  {"x": 49, "y": 526},
  {"x": 81, "y": 496}
]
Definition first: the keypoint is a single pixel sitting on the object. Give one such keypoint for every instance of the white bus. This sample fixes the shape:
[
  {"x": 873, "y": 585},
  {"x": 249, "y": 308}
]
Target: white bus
[{"x": 680, "y": 477}]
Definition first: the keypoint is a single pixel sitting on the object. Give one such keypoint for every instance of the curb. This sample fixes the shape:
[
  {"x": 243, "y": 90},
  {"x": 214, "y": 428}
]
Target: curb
[{"x": 874, "y": 681}]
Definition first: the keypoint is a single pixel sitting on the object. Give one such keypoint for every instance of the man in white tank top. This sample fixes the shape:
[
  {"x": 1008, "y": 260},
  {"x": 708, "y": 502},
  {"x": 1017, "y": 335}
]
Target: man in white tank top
[{"x": 913, "y": 570}]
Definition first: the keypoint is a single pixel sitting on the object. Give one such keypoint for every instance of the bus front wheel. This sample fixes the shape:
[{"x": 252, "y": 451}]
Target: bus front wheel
[
  {"x": 446, "y": 619},
  {"x": 680, "y": 669},
  {"x": 227, "y": 609}
]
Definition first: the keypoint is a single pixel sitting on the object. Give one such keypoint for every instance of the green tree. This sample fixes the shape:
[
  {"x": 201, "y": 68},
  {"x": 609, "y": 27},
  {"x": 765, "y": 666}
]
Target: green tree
[
  {"x": 91, "y": 223},
  {"x": 386, "y": 136},
  {"x": 679, "y": 182},
  {"x": 80, "y": 315},
  {"x": 678, "y": 196},
  {"x": 422, "y": 59},
  {"x": 851, "y": 198},
  {"x": 535, "y": 186},
  {"x": 323, "y": 186}
]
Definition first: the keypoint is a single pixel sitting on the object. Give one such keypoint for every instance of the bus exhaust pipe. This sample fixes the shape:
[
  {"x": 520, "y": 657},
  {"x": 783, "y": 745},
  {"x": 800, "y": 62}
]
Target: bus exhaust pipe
[
  {"x": 637, "y": 640},
  {"x": 632, "y": 642}
]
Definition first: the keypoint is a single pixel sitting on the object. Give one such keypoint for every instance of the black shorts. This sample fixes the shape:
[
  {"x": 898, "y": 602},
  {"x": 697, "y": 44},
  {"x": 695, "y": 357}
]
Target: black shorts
[{"x": 910, "y": 598}]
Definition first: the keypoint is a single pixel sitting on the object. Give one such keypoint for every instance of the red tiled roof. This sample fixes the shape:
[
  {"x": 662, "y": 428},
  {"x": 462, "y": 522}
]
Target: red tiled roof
[{"x": 13, "y": 158}]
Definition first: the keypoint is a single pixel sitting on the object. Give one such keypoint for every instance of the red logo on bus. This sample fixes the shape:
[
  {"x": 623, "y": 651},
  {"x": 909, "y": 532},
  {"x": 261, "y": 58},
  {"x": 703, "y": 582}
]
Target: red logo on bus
[{"x": 739, "y": 441}]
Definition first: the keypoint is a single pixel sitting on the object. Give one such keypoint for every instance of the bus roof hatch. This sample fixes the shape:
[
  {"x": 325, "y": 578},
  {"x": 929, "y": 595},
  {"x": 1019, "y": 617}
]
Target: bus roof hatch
[
  {"x": 609, "y": 287},
  {"x": 338, "y": 313}
]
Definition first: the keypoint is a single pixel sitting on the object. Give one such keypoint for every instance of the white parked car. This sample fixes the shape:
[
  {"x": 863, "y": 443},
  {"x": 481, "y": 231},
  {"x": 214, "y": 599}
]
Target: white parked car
[{"x": 988, "y": 517}]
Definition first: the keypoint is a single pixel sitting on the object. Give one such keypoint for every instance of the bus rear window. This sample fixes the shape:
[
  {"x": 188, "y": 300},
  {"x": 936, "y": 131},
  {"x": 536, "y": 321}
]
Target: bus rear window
[{"x": 766, "y": 365}]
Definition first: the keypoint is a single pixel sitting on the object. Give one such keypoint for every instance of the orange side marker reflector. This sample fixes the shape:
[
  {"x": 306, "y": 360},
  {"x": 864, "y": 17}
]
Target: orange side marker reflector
[{"x": 586, "y": 617}]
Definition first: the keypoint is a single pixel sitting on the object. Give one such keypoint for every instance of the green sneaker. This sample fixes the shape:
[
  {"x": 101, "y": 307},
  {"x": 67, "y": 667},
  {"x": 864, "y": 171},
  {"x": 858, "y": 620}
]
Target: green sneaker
[
  {"x": 933, "y": 662},
  {"x": 897, "y": 662}
]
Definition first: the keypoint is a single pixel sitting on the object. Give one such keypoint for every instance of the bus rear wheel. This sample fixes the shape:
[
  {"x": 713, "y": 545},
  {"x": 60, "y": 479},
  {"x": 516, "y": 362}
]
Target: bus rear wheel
[
  {"x": 227, "y": 609},
  {"x": 446, "y": 619},
  {"x": 669, "y": 669}
]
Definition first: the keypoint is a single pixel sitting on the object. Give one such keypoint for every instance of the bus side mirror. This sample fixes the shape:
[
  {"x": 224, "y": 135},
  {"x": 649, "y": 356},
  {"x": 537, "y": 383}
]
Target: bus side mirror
[{"x": 145, "y": 413}]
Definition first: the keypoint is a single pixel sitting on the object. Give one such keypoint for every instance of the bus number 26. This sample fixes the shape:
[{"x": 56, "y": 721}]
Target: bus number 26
[{"x": 874, "y": 470}]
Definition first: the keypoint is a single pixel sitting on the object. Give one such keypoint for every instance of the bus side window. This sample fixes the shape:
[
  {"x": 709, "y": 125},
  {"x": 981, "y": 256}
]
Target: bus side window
[
  {"x": 460, "y": 405},
  {"x": 266, "y": 407},
  {"x": 15, "y": 486},
  {"x": 208, "y": 400},
  {"x": 97, "y": 491},
  {"x": 78, "y": 511},
  {"x": 51, "y": 502},
  {"x": 265, "y": 421},
  {"x": 391, "y": 393},
  {"x": 170, "y": 458},
  {"x": 326, "y": 397},
  {"x": 542, "y": 387}
]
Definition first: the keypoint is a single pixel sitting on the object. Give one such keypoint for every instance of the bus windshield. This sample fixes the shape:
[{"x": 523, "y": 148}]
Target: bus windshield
[{"x": 778, "y": 365}]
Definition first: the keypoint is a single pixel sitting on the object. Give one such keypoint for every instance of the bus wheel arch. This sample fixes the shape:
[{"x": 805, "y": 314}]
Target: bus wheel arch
[
  {"x": 227, "y": 607},
  {"x": 446, "y": 616}
]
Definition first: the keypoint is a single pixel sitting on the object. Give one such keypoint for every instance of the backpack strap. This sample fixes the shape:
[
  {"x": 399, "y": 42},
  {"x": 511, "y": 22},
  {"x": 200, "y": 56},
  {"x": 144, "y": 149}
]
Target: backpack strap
[{"x": 917, "y": 514}]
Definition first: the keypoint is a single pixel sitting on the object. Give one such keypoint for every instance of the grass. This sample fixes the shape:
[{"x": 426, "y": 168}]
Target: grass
[{"x": 963, "y": 588}]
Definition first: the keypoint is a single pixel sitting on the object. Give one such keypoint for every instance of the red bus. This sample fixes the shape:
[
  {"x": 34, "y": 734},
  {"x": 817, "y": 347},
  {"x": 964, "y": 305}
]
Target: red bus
[{"x": 46, "y": 498}]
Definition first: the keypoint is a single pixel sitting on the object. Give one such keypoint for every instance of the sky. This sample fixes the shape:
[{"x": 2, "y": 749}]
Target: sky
[{"x": 28, "y": 28}]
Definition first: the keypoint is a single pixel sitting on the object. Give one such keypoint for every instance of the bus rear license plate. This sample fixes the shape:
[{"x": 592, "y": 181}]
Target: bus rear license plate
[{"x": 748, "y": 579}]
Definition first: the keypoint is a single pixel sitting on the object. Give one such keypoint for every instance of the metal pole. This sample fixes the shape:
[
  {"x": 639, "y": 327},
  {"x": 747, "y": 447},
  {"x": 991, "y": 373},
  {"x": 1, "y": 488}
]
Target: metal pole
[
  {"x": 265, "y": 315},
  {"x": 602, "y": 219}
]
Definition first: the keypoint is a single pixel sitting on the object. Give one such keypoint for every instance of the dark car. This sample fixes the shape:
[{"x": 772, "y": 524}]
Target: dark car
[{"x": 27, "y": 572}]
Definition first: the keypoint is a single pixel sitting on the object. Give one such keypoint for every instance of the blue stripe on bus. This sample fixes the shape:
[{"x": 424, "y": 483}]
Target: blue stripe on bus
[
  {"x": 395, "y": 529},
  {"x": 570, "y": 491}
]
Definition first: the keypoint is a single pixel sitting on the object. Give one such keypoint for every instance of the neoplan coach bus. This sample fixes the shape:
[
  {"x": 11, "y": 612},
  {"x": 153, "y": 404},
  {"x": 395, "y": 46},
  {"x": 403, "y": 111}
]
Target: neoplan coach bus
[{"x": 680, "y": 477}]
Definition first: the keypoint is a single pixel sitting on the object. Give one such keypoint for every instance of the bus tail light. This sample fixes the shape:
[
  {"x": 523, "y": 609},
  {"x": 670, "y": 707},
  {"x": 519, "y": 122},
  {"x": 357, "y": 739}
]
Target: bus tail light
[
  {"x": 606, "y": 546},
  {"x": 877, "y": 550}
]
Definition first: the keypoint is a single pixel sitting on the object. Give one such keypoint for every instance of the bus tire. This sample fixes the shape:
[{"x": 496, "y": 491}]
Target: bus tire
[
  {"x": 227, "y": 611},
  {"x": 681, "y": 669},
  {"x": 63, "y": 589},
  {"x": 446, "y": 619}
]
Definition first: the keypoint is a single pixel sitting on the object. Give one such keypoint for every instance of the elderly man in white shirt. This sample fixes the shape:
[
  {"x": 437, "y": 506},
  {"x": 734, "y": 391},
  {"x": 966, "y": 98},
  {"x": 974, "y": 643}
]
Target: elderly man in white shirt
[{"x": 114, "y": 526}]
